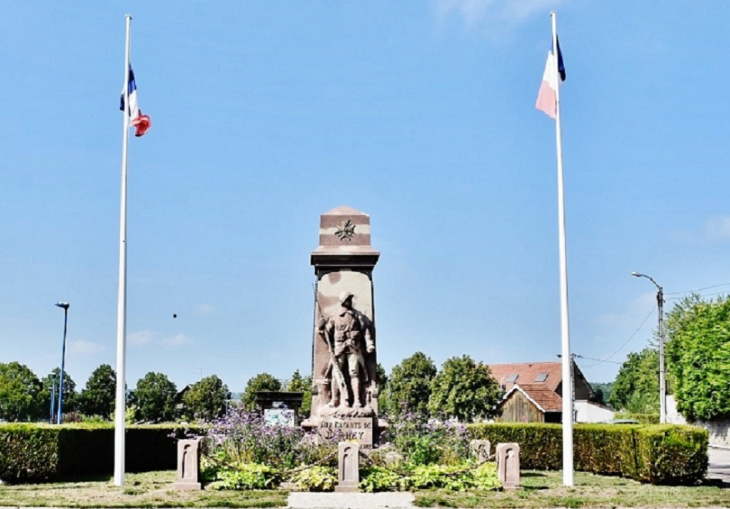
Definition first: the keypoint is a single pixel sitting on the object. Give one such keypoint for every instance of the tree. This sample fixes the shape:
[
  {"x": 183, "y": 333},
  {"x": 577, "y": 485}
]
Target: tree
[
  {"x": 206, "y": 399},
  {"x": 50, "y": 388},
  {"x": 698, "y": 351},
  {"x": 603, "y": 392},
  {"x": 298, "y": 383},
  {"x": 154, "y": 398},
  {"x": 261, "y": 382},
  {"x": 20, "y": 393},
  {"x": 465, "y": 390},
  {"x": 382, "y": 386},
  {"x": 410, "y": 383},
  {"x": 98, "y": 397},
  {"x": 636, "y": 388}
]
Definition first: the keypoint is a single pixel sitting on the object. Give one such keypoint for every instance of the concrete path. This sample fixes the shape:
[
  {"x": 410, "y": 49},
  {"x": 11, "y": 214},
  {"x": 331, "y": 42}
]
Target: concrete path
[
  {"x": 303, "y": 500},
  {"x": 719, "y": 467}
]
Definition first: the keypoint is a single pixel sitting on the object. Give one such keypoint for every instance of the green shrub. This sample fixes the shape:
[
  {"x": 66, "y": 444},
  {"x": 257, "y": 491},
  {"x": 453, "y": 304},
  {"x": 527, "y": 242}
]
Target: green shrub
[
  {"x": 642, "y": 418},
  {"x": 27, "y": 452},
  {"x": 658, "y": 454},
  {"x": 41, "y": 452},
  {"x": 462, "y": 477},
  {"x": 244, "y": 476},
  {"x": 376, "y": 478},
  {"x": 316, "y": 478},
  {"x": 424, "y": 441},
  {"x": 539, "y": 443}
]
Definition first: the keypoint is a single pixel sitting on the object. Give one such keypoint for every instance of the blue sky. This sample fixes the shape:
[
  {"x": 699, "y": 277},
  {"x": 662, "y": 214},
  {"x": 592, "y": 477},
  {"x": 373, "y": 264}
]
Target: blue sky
[{"x": 421, "y": 114}]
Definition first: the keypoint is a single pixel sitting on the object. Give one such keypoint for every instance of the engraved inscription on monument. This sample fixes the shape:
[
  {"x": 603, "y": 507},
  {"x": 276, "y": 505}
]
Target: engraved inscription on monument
[{"x": 354, "y": 428}]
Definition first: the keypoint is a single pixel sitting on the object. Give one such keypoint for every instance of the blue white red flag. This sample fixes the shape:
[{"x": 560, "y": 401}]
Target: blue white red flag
[
  {"x": 137, "y": 120},
  {"x": 546, "y": 97}
]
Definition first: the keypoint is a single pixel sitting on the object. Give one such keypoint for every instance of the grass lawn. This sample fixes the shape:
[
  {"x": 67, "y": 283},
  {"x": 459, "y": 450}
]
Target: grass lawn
[
  {"x": 150, "y": 489},
  {"x": 540, "y": 489},
  {"x": 545, "y": 489}
]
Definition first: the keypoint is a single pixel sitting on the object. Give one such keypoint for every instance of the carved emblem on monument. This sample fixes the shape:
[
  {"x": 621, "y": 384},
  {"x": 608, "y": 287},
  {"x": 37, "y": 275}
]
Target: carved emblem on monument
[{"x": 345, "y": 230}]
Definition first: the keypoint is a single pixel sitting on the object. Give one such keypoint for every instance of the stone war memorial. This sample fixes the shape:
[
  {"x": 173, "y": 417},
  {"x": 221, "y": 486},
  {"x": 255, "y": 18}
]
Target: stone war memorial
[{"x": 344, "y": 350}]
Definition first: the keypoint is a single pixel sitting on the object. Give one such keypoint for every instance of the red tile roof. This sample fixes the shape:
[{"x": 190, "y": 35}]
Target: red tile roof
[
  {"x": 528, "y": 373},
  {"x": 542, "y": 395}
]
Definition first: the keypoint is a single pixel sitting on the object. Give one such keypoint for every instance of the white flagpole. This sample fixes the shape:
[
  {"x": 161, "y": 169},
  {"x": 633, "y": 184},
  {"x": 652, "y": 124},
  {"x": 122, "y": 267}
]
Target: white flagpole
[
  {"x": 121, "y": 400},
  {"x": 564, "y": 323}
]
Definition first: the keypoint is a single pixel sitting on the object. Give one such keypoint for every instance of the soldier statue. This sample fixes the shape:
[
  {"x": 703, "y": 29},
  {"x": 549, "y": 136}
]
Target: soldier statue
[{"x": 348, "y": 336}]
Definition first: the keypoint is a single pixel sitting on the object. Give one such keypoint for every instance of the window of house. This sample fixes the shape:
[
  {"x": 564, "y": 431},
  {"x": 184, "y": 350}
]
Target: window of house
[
  {"x": 541, "y": 377},
  {"x": 512, "y": 378}
]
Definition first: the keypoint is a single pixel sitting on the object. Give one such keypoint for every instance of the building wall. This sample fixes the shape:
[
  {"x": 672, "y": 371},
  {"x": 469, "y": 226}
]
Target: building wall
[
  {"x": 719, "y": 431},
  {"x": 673, "y": 415},
  {"x": 520, "y": 409},
  {"x": 585, "y": 411}
]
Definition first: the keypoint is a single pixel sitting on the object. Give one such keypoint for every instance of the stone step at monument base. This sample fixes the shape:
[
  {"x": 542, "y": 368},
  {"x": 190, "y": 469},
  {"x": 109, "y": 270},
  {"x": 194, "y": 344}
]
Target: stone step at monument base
[{"x": 306, "y": 500}]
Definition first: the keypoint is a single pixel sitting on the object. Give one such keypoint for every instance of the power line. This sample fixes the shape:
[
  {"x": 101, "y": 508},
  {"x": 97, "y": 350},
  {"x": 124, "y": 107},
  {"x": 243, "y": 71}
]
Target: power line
[
  {"x": 698, "y": 289},
  {"x": 625, "y": 342},
  {"x": 706, "y": 295},
  {"x": 599, "y": 360}
]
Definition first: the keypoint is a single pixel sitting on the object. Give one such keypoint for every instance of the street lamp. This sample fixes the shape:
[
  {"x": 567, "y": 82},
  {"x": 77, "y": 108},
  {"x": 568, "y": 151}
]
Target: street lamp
[
  {"x": 65, "y": 306},
  {"x": 662, "y": 380}
]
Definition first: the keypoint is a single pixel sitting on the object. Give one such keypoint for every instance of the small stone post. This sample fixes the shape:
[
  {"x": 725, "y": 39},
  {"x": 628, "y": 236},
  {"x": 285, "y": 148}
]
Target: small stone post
[
  {"x": 348, "y": 466},
  {"x": 508, "y": 465},
  {"x": 188, "y": 465},
  {"x": 480, "y": 449}
]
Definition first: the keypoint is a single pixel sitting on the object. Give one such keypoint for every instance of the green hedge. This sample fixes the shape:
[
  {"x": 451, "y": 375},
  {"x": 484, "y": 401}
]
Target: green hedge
[
  {"x": 642, "y": 418},
  {"x": 39, "y": 452},
  {"x": 659, "y": 454}
]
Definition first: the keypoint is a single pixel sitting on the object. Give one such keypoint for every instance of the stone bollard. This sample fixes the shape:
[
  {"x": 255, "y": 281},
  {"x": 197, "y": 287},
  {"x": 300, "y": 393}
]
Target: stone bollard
[
  {"x": 188, "y": 465},
  {"x": 480, "y": 449},
  {"x": 508, "y": 465},
  {"x": 348, "y": 466}
]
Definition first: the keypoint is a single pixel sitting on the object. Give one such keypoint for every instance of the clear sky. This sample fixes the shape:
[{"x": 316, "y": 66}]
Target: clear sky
[{"x": 421, "y": 114}]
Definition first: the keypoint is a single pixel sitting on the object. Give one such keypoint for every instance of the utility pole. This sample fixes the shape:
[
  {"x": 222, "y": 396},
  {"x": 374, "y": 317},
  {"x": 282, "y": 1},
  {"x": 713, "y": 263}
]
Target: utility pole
[{"x": 662, "y": 377}]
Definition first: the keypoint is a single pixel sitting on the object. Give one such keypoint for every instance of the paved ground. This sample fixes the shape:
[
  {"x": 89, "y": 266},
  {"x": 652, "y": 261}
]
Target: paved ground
[
  {"x": 302, "y": 500},
  {"x": 719, "y": 464}
]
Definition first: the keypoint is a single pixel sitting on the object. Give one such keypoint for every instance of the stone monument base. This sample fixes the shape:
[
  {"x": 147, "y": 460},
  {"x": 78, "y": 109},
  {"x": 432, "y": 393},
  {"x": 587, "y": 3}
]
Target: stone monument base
[
  {"x": 188, "y": 486},
  {"x": 364, "y": 430}
]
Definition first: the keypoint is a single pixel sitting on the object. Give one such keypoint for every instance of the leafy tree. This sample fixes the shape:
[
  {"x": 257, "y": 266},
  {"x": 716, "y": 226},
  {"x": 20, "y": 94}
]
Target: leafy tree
[
  {"x": 636, "y": 388},
  {"x": 206, "y": 399},
  {"x": 20, "y": 393},
  {"x": 298, "y": 383},
  {"x": 410, "y": 383},
  {"x": 603, "y": 392},
  {"x": 383, "y": 393},
  {"x": 154, "y": 398},
  {"x": 99, "y": 395},
  {"x": 261, "y": 382},
  {"x": 50, "y": 387},
  {"x": 698, "y": 351},
  {"x": 465, "y": 390}
]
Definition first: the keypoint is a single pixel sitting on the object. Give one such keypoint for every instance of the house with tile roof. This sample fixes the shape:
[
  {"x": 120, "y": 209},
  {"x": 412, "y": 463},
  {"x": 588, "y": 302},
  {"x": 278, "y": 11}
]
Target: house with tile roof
[{"x": 534, "y": 393}]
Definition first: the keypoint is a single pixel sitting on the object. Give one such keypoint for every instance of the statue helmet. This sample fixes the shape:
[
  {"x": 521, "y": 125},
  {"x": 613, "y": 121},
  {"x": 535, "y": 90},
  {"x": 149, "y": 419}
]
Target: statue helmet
[{"x": 344, "y": 296}]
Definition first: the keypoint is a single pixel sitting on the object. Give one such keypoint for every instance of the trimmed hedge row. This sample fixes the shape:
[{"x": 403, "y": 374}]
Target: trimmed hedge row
[
  {"x": 658, "y": 454},
  {"x": 40, "y": 452},
  {"x": 642, "y": 418}
]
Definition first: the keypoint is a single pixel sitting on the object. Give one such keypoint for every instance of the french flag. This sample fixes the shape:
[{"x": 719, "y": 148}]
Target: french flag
[
  {"x": 546, "y": 98},
  {"x": 136, "y": 119}
]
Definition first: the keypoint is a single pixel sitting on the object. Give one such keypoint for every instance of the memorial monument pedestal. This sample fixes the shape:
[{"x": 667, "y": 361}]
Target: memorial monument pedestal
[{"x": 344, "y": 350}]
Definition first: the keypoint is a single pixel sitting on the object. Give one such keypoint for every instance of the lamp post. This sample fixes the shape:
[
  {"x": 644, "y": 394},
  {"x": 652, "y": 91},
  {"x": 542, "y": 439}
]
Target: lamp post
[
  {"x": 65, "y": 306},
  {"x": 662, "y": 379}
]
